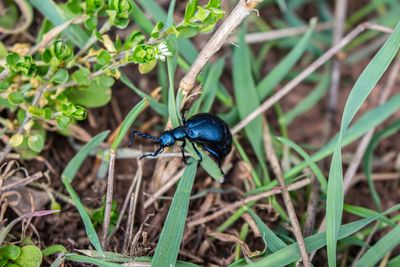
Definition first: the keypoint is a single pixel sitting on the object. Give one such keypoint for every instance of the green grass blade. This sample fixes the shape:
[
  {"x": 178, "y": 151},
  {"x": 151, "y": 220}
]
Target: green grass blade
[
  {"x": 89, "y": 228},
  {"x": 140, "y": 18},
  {"x": 53, "y": 13},
  {"x": 209, "y": 88},
  {"x": 310, "y": 100},
  {"x": 156, "y": 11},
  {"x": 380, "y": 249},
  {"x": 365, "y": 213},
  {"x": 395, "y": 262},
  {"x": 361, "y": 89},
  {"x": 272, "y": 242},
  {"x": 167, "y": 249},
  {"x": 318, "y": 173},
  {"x": 291, "y": 253},
  {"x": 158, "y": 107},
  {"x": 172, "y": 110},
  {"x": 85, "y": 259},
  {"x": 267, "y": 85},
  {"x": 170, "y": 15},
  {"x": 247, "y": 98},
  {"x": 367, "y": 121},
  {"x": 73, "y": 166},
  {"x": 69, "y": 174},
  {"x": 128, "y": 121},
  {"x": 367, "y": 162}
]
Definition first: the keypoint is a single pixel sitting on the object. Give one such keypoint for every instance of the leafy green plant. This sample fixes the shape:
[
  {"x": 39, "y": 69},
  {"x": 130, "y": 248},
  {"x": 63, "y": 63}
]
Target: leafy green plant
[{"x": 54, "y": 83}]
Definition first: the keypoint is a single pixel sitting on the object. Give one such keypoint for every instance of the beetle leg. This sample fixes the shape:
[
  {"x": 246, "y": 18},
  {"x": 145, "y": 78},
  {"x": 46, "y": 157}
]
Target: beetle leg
[
  {"x": 154, "y": 154},
  {"x": 216, "y": 156},
  {"x": 183, "y": 151},
  {"x": 183, "y": 117},
  {"x": 197, "y": 152}
]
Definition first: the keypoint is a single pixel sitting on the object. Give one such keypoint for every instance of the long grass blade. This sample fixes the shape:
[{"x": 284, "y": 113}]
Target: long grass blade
[
  {"x": 247, "y": 98},
  {"x": 380, "y": 249},
  {"x": 291, "y": 253},
  {"x": 361, "y": 89},
  {"x": 209, "y": 88},
  {"x": 158, "y": 107},
  {"x": 171, "y": 236},
  {"x": 367, "y": 162},
  {"x": 85, "y": 259},
  {"x": 67, "y": 177}
]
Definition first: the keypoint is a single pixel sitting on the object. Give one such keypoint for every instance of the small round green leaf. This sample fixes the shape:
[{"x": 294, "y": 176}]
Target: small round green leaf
[
  {"x": 31, "y": 256},
  {"x": 36, "y": 142},
  {"x": 63, "y": 122},
  {"x": 61, "y": 76},
  {"x": 15, "y": 98},
  {"x": 104, "y": 57},
  {"x": 10, "y": 252},
  {"x": 81, "y": 76}
]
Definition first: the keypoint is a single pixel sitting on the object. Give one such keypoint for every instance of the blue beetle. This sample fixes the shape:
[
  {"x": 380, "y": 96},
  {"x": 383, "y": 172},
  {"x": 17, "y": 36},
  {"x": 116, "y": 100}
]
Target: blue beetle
[{"x": 205, "y": 129}]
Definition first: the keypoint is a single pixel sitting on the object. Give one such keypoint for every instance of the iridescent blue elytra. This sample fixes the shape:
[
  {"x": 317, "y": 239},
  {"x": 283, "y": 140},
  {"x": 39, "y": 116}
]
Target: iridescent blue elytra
[{"x": 204, "y": 129}]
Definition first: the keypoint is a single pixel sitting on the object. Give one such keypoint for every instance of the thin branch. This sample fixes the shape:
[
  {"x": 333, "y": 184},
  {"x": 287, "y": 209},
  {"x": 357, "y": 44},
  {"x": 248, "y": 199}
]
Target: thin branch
[
  {"x": 109, "y": 196},
  {"x": 243, "y": 202},
  {"x": 123, "y": 209},
  {"x": 238, "y": 14},
  {"x": 276, "y": 168},
  {"x": 259, "y": 37},
  {"x": 164, "y": 189},
  {"x": 132, "y": 207},
  {"x": 22, "y": 182},
  {"x": 340, "y": 16},
  {"x": 307, "y": 71}
]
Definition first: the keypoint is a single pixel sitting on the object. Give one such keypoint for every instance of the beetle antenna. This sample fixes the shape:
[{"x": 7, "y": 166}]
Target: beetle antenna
[{"x": 139, "y": 133}]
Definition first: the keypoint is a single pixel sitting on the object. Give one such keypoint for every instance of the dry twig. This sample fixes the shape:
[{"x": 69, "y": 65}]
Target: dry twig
[
  {"x": 340, "y": 16},
  {"x": 243, "y": 202},
  {"x": 259, "y": 37},
  {"x": 276, "y": 168},
  {"x": 132, "y": 207},
  {"x": 238, "y": 14},
  {"x": 109, "y": 196}
]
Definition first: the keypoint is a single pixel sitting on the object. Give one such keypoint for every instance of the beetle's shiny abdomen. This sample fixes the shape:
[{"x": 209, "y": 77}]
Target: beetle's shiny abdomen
[
  {"x": 210, "y": 131},
  {"x": 205, "y": 127}
]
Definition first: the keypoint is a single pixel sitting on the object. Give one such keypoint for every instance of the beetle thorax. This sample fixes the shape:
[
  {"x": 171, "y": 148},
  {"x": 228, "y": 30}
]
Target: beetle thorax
[
  {"x": 167, "y": 139},
  {"x": 179, "y": 133}
]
